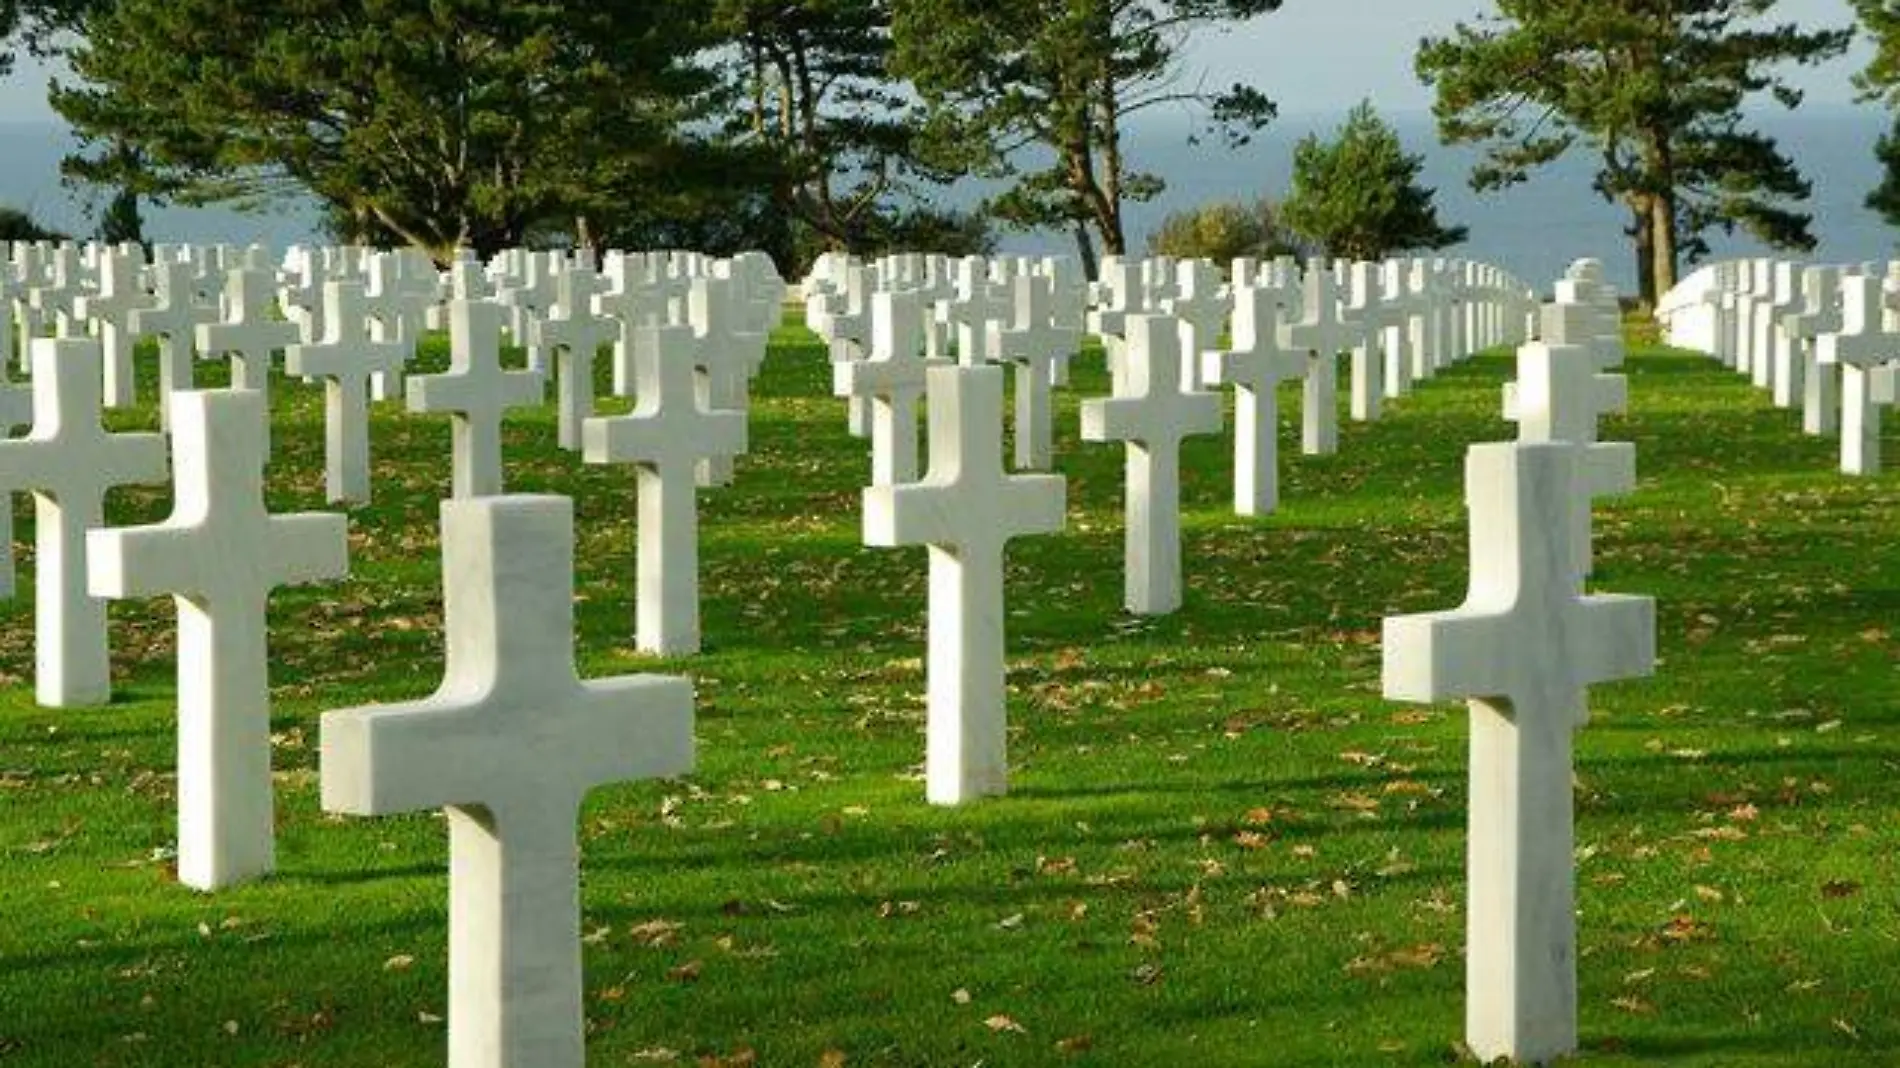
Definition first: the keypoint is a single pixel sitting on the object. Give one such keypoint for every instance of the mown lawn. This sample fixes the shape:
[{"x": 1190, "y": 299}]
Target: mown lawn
[{"x": 1222, "y": 846}]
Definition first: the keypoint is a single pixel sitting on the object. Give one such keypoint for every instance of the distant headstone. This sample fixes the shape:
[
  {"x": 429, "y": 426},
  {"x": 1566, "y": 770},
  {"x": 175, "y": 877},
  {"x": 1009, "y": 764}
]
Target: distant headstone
[
  {"x": 345, "y": 359},
  {"x": 574, "y": 335},
  {"x": 120, "y": 294},
  {"x": 1860, "y": 349},
  {"x": 1523, "y": 649},
  {"x": 1819, "y": 316},
  {"x": 1033, "y": 343},
  {"x": 965, "y": 509},
  {"x": 1255, "y": 367},
  {"x": 476, "y": 393},
  {"x": 509, "y": 745},
  {"x": 68, "y": 462},
  {"x": 1151, "y": 412},
  {"x": 173, "y": 318},
  {"x": 248, "y": 333},
  {"x": 16, "y": 410},
  {"x": 219, "y": 556},
  {"x": 1321, "y": 336},
  {"x": 893, "y": 378},
  {"x": 665, "y": 436}
]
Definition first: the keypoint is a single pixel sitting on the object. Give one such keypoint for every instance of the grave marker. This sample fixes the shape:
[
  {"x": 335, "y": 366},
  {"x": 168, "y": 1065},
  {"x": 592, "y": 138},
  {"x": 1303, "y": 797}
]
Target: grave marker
[
  {"x": 346, "y": 358},
  {"x": 966, "y": 509},
  {"x": 509, "y": 745},
  {"x": 573, "y": 334},
  {"x": 476, "y": 393},
  {"x": 219, "y": 556},
  {"x": 893, "y": 377},
  {"x": 1151, "y": 412},
  {"x": 1523, "y": 649},
  {"x": 1863, "y": 345},
  {"x": 666, "y": 436},
  {"x": 68, "y": 462},
  {"x": 1255, "y": 367}
]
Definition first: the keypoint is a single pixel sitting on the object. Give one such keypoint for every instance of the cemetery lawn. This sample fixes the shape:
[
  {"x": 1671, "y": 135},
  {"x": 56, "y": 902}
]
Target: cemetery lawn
[{"x": 1222, "y": 846}]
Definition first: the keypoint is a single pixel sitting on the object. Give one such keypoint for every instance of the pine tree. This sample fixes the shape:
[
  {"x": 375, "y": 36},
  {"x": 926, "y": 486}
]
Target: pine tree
[
  {"x": 1357, "y": 196},
  {"x": 1653, "y": 89}
]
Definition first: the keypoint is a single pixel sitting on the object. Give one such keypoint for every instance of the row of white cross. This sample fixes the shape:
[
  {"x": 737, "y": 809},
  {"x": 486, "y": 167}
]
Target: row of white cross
[
  {"x": 1824, "y": 336},
  {"x": 513, "y": 738}
]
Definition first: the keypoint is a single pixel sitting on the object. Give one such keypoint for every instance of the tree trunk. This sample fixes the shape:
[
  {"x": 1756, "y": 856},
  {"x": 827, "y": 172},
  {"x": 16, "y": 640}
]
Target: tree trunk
[
  {"x": 1642, "y": 230},
  {"x": 1662, "y": 217},
  {"x": 1085, "y": 248}
]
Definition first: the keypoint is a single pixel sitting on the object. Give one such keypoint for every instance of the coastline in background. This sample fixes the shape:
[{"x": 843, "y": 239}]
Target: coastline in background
[{"x": 1534, "y": 230}]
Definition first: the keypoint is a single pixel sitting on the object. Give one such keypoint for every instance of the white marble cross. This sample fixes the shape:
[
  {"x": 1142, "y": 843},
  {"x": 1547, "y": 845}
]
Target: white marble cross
[
  {"x": 477, "y": 393},
  {"x": 1151, "y": 412},
  {"x": 1781, "y": 299},
  {"x": 120, "y": 294},
  {"x": 68, "y": 462},
  {"x": 16, "y": 410},
  {"x": 1255, "y": 367},
  {"x": 510, "y": 745},
  {"x": 1321, "y": 336},
  {"x": 666, "y": 435},
  {"x": 173, "y": 318},
  {"x": 1359, "y": 314},
  {"x": 1820, "y": 315},
  {"x": 1035, "y": 345},
  {"x": 1862, "y": 345},
  {"x": 1121, "y": 294},
  {"x": 1523, "y": 649},
  {"x": 642, "y": 295},
  {"x": 219, "y": 556},
  {"x": 345, "y": 359},
  {"x": 247, "y": 332},
  {"x": 893, "y": 378},
  {"x": 1203, "y": 308},
  {"x": 722, "y": 355},
  {"x": 400, "y": 294},
  {"x": 1559, "y": 396},
  {"x": 966, "y": 509},
  {"x": 573, "y": 334}
]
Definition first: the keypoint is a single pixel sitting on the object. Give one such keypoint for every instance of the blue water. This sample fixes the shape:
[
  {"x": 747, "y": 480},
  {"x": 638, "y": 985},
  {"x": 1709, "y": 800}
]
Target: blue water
[{"x": 1533, "y": 229}]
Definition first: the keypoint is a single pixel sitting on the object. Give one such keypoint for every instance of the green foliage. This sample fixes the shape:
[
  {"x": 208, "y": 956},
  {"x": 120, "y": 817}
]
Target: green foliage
[
  {"x": 1653, "y": 91},
  {"x": 1225, "y": 231},
  {"x": 17, "y": 225},
  {"x": 1037, "y": 95},
  {"x": 1880, "y": 80},
  {"x": 442, "y": 122},
  {"x": 812, "y": 89},
  {"x": 1357, "y": 196},
  {"x": 1221, "y": 847}
]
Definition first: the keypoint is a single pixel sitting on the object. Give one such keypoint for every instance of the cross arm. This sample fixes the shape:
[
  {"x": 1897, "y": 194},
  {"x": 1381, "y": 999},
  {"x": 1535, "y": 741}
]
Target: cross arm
[{"x": 1441, "y": 656}]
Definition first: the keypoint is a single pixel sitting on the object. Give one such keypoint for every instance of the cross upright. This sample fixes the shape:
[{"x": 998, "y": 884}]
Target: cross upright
[
  {"x": 398, "y": 300},
  {"x": 1151, "y": 412},
  {"x": 1560, "y": 396},
  {"x": 842, "y": 318},
  {"x": 1360, "y": 314},
  {"x": 1523, "y": 650},
  {"x": 1862, "y": 345},
  {"x": 665, "y": 437},
  {"x": 68, "y": 462},
  {"x": 641, "y": 295},
  {"x": 120, "y": 294},
  {"x": 1320, "y": 336},
  {"x": 893, "y": 377},
  {"x": 1203, "y": 308},
  {"x": 1120, "y": 294},
  {"x": 345, "y": 359},
  {"x": 1255, "y": 367},
  {"x": 248, "y": 333},
  {"x": 573, "y": 334},
  {"x": 1034, "y": 344},
  {"x": 477, "y": 393},
  {"x": 966, "y": 509},
  {"x": 1781, "y": 298},
  {"x": 722, "y": 353},
  {"x": 219, "y": 556},
  {"x": 1821, "y": 288},
  {"x": 173, "y": 318},
  {"x": 525, "y": 297},
  {"x": 1760, "y": 305},
  {"x": 510, "y": 746},
  {"x": 16, "y": 410}
]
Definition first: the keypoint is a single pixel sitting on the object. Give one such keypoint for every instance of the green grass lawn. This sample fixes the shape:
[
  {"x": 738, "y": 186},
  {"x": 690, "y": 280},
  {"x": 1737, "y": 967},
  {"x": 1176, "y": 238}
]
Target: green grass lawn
[{"x": 1221, "y": 848}]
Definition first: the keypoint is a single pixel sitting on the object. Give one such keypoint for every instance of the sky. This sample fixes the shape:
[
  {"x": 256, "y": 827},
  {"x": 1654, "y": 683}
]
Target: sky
[
  {"x": 1327, "y": 55},
  {"x": 1312, "y": 56}
]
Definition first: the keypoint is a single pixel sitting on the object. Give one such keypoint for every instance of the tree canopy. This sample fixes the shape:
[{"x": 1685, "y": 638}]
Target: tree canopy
[
  {"x": 1037, "y": 95},
  {"x": 1654, "y": 89},
  {"x": 435, "y": 122},
  {"x": 1225, "y": 231},
  {"x": 1358, "y": 197}
]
